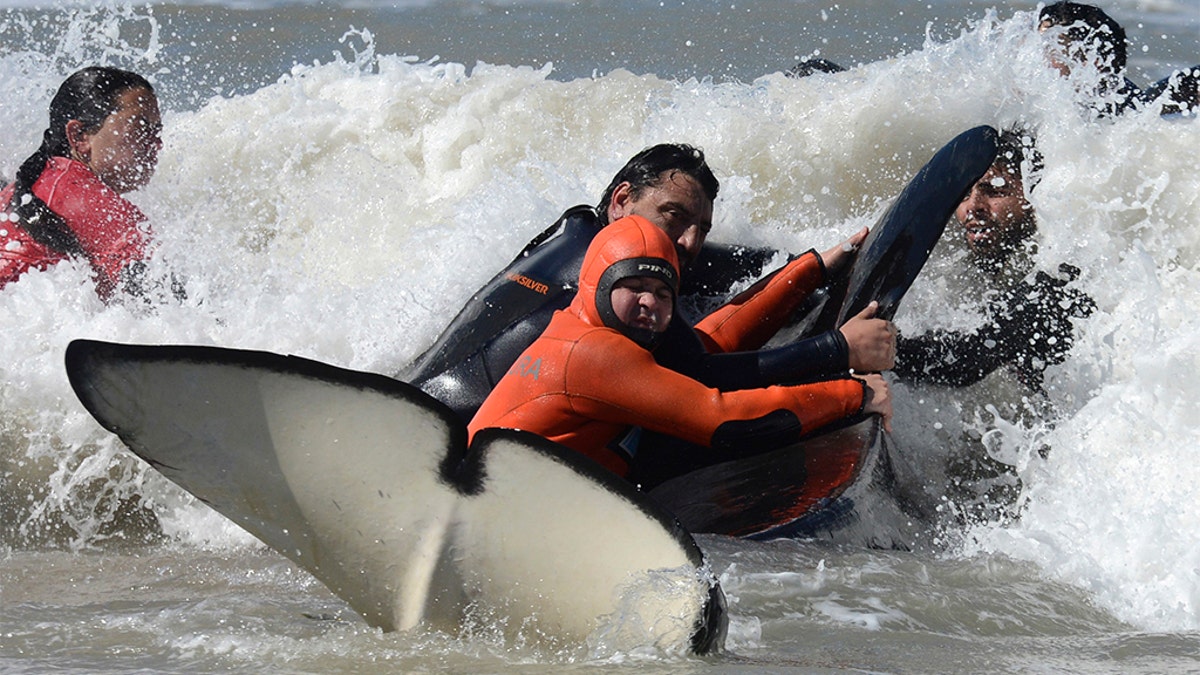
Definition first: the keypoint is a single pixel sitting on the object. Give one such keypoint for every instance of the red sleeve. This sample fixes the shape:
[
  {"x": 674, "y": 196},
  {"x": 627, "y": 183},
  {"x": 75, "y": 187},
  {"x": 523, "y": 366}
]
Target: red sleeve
[
  {"x": 612, "y": 379},
  {"x": 19, "y": 253},
  {"x": 753, "y": 317}
]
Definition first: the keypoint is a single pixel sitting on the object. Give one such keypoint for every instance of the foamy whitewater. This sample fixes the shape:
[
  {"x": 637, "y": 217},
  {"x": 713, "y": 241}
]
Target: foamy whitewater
[{"x": 345, "y": 210}]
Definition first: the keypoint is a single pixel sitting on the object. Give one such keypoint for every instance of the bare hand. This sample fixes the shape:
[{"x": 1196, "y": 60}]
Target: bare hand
[
  {"x": 837, "y": 257},
  {"x": 879, "y": 399},
  {"x": 872, "y": 342}
]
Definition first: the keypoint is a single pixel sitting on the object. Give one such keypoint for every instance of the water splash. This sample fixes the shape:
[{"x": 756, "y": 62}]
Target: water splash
[{"x": 345, "y": 211}]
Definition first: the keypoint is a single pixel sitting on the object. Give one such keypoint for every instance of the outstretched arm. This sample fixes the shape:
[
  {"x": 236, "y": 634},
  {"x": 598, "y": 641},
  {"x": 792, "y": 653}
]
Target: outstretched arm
[
  {"x": 610, "y": 382},
  {"x": 723, "y": 351},
  {"x": 819, "y": 357},
  {"x": 756, "y": 314},
  {"x": 1029, "y": 325}
]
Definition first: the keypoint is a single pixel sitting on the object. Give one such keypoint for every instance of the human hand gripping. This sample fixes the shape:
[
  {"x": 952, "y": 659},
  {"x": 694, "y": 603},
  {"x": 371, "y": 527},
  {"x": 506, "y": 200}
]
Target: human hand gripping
[
  {"x": 839, "y": 256},
  {"x": 879, "y": 398},
  {"x": 871, "y": 341}
]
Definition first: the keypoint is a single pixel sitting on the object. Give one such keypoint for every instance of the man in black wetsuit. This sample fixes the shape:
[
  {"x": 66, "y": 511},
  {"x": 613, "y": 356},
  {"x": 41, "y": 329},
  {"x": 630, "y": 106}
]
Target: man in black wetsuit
[
  {"x": 1029, "y": 313},
  {"x": 672, "y": 186},
  {"x": 1085, "y": 35},
  {"x": 1179, "y": 92}
]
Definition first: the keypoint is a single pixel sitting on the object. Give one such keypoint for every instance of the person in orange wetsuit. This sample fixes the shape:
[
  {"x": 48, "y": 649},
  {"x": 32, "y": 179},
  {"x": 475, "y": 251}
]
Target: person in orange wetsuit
[
  {"x": 102, "y": 141},
  {"x": 591, "y": 374},
  {"x": 672, "y": 186}
]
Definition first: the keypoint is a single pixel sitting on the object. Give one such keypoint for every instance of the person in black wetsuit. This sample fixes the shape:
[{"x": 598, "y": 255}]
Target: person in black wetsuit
[
  {"x": 1179, "y": 92},
  {"x": 1028, "y": 323},
  {"x": 1085, "y": 34},
  {"x": 672, "y": 186}
]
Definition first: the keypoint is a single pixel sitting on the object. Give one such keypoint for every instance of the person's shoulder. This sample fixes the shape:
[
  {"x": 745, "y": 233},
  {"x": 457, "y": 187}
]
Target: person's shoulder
[
  {"x": 71, "y": 182},
  {"x": 92, "y": 209},
  {"x": 65, "y": 168},
  {"x": 587, "y": 336},
  {"x": 605, "y": 347},
  {"x": 577, "y": 347},
  {"x": 581, "y": 212},
  {"x": 581, "y": 219}
]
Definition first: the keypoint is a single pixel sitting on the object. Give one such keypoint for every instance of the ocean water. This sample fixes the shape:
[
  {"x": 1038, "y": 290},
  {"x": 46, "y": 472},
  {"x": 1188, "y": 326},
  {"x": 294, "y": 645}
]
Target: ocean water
[{"x": 337, "y": 179}]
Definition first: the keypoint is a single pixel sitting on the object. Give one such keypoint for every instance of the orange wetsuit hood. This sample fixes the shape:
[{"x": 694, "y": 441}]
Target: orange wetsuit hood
[{"x": 629, "y": 247}]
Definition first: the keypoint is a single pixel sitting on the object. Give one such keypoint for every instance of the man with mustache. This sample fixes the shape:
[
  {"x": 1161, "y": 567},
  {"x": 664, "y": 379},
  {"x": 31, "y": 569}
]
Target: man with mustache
[
  {"x": 672, "y": 187},
  {"x": 1029, "y": 313}
]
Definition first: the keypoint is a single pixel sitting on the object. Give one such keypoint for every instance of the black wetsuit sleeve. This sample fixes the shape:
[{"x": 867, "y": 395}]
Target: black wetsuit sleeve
[
  {"x": 750, "y": 437},
  {"x": 1029, "y": 327},
  {"x": 819, "y": 357},
  {"x": 743, "y": 438},
  {"x": 950, "y": 358}
]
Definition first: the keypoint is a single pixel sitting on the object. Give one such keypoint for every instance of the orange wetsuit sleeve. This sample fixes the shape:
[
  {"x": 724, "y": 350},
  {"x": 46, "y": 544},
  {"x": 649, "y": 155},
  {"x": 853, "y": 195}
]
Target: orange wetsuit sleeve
[
  {"x": 611, "y": 379},
  {"x": 753, "y": 317}
]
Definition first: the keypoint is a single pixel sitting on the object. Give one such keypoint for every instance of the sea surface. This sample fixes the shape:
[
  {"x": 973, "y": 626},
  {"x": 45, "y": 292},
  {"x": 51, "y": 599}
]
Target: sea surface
[{"x": 338, "y": 178}]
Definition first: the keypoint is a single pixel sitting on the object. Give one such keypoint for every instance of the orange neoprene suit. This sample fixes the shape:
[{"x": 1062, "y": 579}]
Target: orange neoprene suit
[
  {"x": 582, "y": 383},
  {"x": 747, "y": 321}
]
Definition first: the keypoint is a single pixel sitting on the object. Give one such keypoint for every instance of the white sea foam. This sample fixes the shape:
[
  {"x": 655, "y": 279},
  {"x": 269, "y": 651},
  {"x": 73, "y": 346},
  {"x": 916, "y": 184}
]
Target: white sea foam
[{"x": 348, "y": 210}]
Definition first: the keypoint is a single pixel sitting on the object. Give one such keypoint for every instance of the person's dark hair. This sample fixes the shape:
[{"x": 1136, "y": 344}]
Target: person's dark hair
[
  {"x": 90, "y": 96},
  {"x": 647, "y": 169},
  {"x": 1017, "y": 154},
  {"x": 814, "y": 65},
  {"x": 1090, "y": 26}
]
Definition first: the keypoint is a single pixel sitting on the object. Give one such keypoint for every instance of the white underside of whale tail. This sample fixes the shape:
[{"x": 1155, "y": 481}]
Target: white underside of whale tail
[{"x": 367, "y": 483}]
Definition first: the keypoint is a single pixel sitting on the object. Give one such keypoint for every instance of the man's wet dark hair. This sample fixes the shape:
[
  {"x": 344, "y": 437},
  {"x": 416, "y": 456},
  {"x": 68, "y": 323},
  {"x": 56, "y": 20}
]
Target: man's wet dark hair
[
  {"x": 90, "y": 96},
  {"x": 814, "y": 65},
  {"x": 1088, "y": 25},
  {"x": 647, "y": 169},
  {"x": 1017, "y": 155}
]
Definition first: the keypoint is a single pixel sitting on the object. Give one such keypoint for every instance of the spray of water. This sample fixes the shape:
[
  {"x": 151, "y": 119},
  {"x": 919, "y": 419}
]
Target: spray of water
[{"x": 346, "y": 211}]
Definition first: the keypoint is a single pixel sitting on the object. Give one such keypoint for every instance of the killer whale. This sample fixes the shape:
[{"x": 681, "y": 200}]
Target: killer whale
[{"x": 368, "y": 484}]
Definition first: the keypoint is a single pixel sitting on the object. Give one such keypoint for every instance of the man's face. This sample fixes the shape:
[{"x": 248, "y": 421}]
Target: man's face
[
  {"x": 677, "y": 205},
  {"x": 994, "y": 215},
  {"x": 1076, "y": 45},
  {"x": 1060, "y": 50}
]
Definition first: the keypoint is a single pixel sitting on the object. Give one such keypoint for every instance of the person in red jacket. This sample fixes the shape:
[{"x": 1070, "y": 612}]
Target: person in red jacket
[
  {"x": 591, "y": 374},
  {"x": 102, "y": 141}
]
